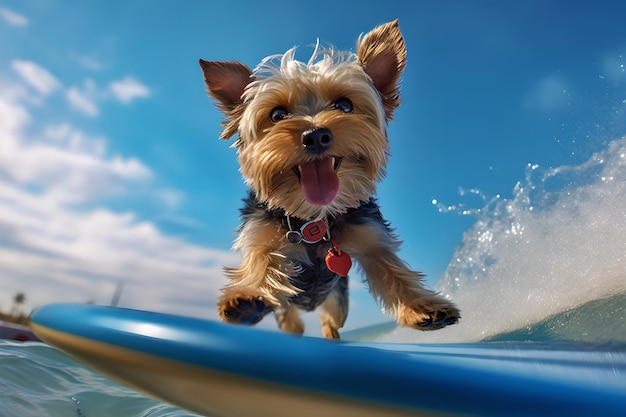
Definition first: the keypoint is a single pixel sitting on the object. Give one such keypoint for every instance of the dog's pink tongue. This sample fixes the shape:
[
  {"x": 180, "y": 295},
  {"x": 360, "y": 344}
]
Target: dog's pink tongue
[{"x": 319, "y": 181}]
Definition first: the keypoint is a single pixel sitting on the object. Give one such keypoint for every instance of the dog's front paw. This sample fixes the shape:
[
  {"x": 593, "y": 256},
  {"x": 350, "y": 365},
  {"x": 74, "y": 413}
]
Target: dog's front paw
[
  {"x": 432, "y": 315},
  {"x": 438, "y": 319},
  {"x": 243, "y": 310}
]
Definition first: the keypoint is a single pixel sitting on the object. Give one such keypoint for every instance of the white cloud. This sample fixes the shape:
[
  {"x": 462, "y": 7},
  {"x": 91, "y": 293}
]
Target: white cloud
[
  {"x": 12, "y": 18},
  {"x": 171, "y": 198},
  {"x": 549, "y": 94},
  {"x": 57, "y": 255},
  {"x": 36, "y": 76},
  {"x": 67, "y": 164},
  {"x": 128, "y": 89},
  {"x": 65, "y": 136},
  {"x": 13, "y": 118},
  {"x": 54, "y": 252},
  {"x": 84, "y": 100},
  {"x": 90, "y": 63}
]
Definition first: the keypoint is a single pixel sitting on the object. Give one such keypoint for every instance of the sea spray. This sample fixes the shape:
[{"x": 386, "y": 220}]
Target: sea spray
[{"x": 558, "y": 243}]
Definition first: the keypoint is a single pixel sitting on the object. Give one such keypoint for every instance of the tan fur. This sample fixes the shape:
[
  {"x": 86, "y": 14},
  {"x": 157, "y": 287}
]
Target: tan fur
[
  {"x": 390, "y": 279},
  {"x": 269, "y": 153},
  {"x": 264, "y": 268},
  {"x": 333, "y": 316}
]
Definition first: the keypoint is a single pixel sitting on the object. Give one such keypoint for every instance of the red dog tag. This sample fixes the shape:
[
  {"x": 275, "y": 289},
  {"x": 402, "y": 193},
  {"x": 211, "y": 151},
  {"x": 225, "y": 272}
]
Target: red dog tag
[
  {"x": 337, "y": 261},
  {"x": 313, "y": 232}
]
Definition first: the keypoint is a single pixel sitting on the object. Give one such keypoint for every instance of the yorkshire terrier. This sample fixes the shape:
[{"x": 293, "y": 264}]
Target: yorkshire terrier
[{"x": 312, "y": 145}]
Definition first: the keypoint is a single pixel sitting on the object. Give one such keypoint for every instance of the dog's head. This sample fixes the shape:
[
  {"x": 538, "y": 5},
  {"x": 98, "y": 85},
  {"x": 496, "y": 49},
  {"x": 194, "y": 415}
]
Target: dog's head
[{"x": 312, "y": 136}]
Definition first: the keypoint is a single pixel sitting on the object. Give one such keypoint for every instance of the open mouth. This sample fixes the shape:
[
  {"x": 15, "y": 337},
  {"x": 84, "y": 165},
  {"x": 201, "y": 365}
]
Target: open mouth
[{"x": 318, "y": 180}]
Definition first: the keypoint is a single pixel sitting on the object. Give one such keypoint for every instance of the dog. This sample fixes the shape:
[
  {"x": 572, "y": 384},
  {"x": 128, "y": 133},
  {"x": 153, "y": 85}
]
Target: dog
[{"x": 312, "y": 146}]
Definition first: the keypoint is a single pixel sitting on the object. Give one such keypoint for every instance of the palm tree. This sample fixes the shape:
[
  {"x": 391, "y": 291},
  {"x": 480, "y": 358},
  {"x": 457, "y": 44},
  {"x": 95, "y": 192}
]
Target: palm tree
[{"x": 18, "y": 299}]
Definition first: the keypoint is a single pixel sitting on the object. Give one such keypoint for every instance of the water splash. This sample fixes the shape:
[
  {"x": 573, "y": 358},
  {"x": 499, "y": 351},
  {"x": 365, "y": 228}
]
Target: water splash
[{"x": 558, "y": 243}]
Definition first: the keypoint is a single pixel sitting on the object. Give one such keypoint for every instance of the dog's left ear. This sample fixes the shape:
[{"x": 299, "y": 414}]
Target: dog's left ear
[
  {"x": 226, "y": 82},
  {"x": 382, "y": 54}
]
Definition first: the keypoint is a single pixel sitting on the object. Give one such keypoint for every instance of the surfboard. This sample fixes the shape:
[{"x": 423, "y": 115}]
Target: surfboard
[{"x": 216, "y": 369}]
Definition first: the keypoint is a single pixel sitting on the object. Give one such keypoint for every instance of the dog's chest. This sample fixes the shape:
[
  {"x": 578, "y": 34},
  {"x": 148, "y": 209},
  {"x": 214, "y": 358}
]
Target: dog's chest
[{"x": 315, "y": 280}]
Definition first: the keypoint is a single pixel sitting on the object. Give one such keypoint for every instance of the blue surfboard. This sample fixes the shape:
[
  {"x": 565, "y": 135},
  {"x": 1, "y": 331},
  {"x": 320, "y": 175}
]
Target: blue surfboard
[{"x": 216, "y": 369}]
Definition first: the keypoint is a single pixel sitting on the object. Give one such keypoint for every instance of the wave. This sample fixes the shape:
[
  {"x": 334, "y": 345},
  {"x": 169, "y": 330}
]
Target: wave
[
  {"x": 599, "y": 322},
  {"x": 531, "y": 262}
]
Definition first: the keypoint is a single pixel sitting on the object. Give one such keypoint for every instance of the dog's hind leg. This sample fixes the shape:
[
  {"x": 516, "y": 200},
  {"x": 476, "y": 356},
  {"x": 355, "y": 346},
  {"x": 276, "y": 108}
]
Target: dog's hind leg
[
  {"x": 335, "y": 310},
  {"x": 288, "y": 319}
]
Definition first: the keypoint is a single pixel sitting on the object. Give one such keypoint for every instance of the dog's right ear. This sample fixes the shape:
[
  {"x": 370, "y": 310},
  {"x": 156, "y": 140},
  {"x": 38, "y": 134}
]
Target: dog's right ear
[{"x": 226, "y": 82}]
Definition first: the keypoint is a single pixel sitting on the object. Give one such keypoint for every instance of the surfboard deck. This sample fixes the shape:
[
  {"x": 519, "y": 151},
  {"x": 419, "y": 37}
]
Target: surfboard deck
[{"x": 216, "y": 369}]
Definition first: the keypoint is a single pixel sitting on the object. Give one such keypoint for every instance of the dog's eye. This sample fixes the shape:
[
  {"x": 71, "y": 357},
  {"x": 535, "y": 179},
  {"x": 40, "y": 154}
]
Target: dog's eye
[
  {"x": 278, "y": 114},
  {"x": 344, "y": 104}
]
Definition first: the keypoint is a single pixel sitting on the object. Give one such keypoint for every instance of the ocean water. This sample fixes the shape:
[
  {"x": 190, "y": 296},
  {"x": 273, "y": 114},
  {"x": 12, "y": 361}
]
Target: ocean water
[
  {"x": 37, "y": 380},
  {"x": 548, "y": 264}
]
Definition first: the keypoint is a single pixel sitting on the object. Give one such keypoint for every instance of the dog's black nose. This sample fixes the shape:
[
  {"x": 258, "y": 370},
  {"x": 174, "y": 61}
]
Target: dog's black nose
[{"x": 317, "y": 140}]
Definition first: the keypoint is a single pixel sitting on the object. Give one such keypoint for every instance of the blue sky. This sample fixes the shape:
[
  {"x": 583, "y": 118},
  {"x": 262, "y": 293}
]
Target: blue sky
[{"x": 111, "y": 170}]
